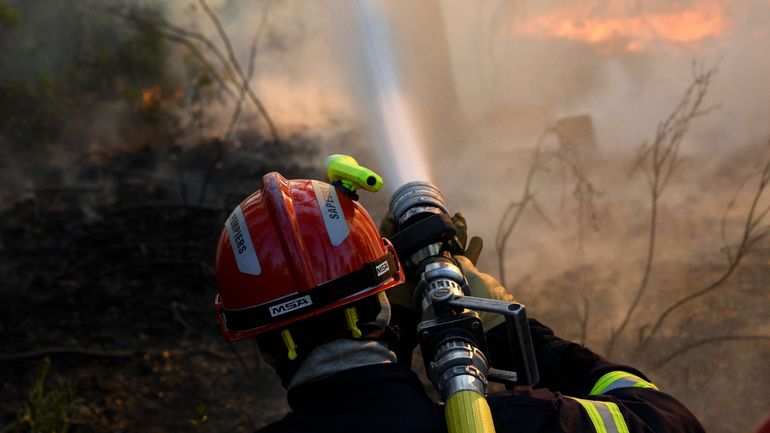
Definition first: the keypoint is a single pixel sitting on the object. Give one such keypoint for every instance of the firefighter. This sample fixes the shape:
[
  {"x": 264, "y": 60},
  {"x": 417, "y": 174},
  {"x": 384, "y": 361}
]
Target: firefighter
[{"x": 302, "y": 268}]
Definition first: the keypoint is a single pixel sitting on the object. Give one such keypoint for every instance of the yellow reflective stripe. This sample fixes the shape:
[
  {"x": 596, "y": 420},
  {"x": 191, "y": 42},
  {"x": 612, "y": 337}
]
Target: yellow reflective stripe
[
  {"x": 604, "y": 415},
  {"x": 593, "y": 415},
  {"x": 605, "y": 381},
  {"x": 620, "y": 379},
  {"x": 618, "y": 417}
]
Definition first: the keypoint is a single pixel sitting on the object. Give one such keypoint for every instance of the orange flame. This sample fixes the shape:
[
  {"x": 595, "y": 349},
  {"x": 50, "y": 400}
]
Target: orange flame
[
  {"x": 153, "y": 96},
  {"x": 609, "y": 23}
]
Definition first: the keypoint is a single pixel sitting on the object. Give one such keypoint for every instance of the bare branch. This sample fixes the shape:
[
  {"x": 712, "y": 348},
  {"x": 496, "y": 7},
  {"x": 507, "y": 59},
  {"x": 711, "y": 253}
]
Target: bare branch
[
  {"x": 245, "y": 83},
  {"x": 641, "y": 157},
  {"x": 704, "y": 342},
  {"x": 178, "y": 34},
  {"x": 230, "y": 133},
  {"x": 723, "y": 222},
  {"x": 539, "y": 210},
  {"x": 228, "y": 60},
  {"x": 751, "y": 235},
  {"x": 516, "y": 209},
  {"x": 252, "y": 60},
  {"x": 658, "y": 161},
  {"x": 198, "y": 54},
  {"x": 584, "y": 320},
  {"x": 584, "y": 191}
]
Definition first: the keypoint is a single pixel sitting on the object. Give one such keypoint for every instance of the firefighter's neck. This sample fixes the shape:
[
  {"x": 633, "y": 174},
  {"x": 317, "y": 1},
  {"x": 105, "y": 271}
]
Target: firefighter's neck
[
  {"x": 341, "y": 355},
  {"x": 347, "y": 353}
]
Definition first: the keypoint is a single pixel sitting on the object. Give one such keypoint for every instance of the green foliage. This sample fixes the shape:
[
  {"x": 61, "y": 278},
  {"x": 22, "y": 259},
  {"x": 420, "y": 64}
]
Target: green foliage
[
  {"x": 201, "y": 416},
  {"x": 9, "y": 17},
  {"x": 46, "y": 410}
]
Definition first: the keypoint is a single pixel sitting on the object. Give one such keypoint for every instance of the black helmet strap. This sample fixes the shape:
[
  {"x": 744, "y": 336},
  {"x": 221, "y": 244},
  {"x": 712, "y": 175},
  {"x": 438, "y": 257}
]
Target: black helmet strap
[{"x": 370, "y": 275}]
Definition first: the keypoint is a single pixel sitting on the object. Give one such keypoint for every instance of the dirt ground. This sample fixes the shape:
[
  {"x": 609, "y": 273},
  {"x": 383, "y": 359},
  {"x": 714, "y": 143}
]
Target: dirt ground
[{"x": 113, "y": 283}]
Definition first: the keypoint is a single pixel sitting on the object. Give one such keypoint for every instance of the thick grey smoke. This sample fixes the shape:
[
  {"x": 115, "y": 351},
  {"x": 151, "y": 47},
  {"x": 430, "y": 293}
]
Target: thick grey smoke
[{"x": 484, "y": 80}]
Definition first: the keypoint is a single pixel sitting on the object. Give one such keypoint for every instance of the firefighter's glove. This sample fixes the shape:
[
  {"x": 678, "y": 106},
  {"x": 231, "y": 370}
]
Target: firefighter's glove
[
  {"x": 484, "y": 286},
  {"x": 472, "y": 248},
  {"x": 563, "y": 365},
  {"x": 403, "y": 295}
]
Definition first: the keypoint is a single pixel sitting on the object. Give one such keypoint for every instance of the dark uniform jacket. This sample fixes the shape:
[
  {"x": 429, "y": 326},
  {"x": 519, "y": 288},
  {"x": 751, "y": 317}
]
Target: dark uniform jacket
[{"x": 601, "y": 397}]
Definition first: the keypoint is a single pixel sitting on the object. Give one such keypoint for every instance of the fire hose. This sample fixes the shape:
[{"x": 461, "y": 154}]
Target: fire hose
[{"x": 450, "y": 332}]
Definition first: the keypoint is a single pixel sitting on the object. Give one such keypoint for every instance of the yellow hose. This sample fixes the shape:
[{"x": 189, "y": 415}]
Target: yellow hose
[{"x": 468, "y": 412}]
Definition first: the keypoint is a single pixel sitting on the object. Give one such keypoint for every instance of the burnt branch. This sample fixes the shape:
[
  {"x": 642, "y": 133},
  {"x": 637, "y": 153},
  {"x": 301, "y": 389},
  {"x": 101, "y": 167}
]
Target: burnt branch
[
  {"x": 188, "y": 38},
  {"x": 201, "y": 57},
  {"x": 234, "y": 75},
  {"x": 753, "y": 232},
  {"x": 658, "y": 162},
  {"x": 514, "y": 211},
  {"x": 727, "y": 249},
  {"x": 706, "y": 342},
  {"x": 584, "y": 317},
  {"x": 584, "y": 191},
  {"x": 230, "y": 133},
  {"x": 245, "y": 81}
]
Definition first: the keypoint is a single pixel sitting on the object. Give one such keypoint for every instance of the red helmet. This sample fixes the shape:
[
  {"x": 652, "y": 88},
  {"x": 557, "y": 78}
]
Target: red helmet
[{"x": 294, "y": 249}]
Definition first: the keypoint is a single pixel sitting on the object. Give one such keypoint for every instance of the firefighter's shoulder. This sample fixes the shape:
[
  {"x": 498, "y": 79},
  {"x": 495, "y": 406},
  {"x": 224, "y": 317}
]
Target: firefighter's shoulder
[{"x": 621, "y": 402}]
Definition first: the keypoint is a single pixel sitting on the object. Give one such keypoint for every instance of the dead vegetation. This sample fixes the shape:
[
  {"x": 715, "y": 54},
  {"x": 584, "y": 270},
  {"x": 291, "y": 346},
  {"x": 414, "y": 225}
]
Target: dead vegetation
[
  {"x": 658, "y": 161},
  {"x": 106, "y": 258},
  {"x": 107, "y": 252},
  {"x": 680, "y": 320}
]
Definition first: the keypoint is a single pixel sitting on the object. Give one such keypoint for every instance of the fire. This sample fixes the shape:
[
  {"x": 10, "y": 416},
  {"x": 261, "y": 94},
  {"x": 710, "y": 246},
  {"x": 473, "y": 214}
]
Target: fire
[
  {"x": 151, "y": 96},
  {"x": 154, "y": 96},
  {"x": 612, "y": 23}
]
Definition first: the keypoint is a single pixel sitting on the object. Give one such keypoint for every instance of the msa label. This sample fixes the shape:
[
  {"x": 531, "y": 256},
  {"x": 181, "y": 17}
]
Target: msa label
[
  {"x": 289, "y": 306},
  {"x": 331, "y": 211},
  {"x": 240, "y": 240},
  {"x": 382, "y": 268}
]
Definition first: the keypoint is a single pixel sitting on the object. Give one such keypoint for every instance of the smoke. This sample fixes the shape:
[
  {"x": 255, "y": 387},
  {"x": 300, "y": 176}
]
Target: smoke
[
  {"x": 477, "y": 84},
  {"x": 372, "y": 58},
  {"x": 486, "y": 80},
  {"x": 294, "y": 73}
]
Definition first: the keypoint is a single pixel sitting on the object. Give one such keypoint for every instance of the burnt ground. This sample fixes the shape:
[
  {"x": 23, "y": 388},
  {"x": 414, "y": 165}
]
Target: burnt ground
[
  {"x": 110, "y": 277},
  {"x": 106, "y": 272}
]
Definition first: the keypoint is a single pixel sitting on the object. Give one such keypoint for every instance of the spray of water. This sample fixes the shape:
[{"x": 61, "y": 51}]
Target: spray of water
[{"x": 392, "y": 125}]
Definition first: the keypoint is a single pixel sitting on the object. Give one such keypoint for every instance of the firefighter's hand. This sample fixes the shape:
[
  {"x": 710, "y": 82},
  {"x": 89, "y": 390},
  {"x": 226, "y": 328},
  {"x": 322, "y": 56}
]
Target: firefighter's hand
[
  {"x": 562, "y": 364},
  {"x": 403, "y": 295},
  {"x": 484, "y": 286}
]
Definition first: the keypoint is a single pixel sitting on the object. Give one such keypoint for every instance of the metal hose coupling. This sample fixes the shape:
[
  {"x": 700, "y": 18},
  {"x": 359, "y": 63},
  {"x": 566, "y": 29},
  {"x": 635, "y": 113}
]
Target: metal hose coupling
[
  {"x": 451, "y": 335},
  {"x": 416, "y": 198},
  {"x": 439, "y": 282},
  {"x": 459, "y": 366}
]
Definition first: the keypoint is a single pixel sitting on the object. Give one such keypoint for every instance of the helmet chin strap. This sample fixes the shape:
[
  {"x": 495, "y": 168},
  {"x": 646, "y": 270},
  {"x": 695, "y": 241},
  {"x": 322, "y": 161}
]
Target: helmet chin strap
[
  {"x": 345, "y": 354},
  {"x": 383, "y": 318}
]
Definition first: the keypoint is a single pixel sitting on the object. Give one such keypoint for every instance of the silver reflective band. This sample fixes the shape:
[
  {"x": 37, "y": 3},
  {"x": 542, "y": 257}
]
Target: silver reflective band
[
  {"x": 605, "y": 416},
  {"x": 240, "y": 241},
  {"x": 331, "y": 211},
  {"x": 619, "y": 379}
]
